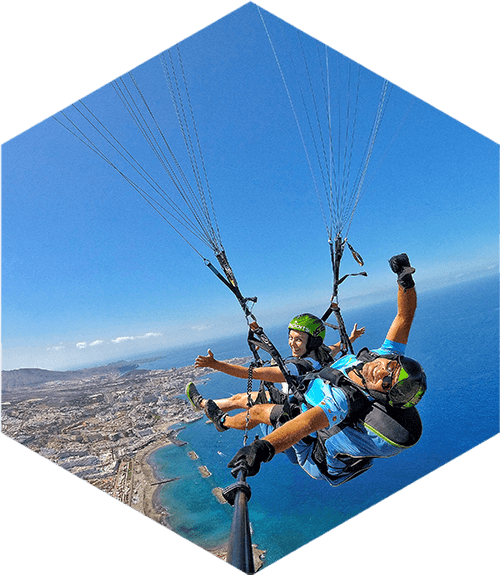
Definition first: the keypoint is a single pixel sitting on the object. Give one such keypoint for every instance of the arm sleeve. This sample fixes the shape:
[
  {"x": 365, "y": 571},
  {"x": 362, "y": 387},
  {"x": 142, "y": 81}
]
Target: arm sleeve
[
  {"x": 391, "y": 347},
  {"x": 331, "y": 400}
]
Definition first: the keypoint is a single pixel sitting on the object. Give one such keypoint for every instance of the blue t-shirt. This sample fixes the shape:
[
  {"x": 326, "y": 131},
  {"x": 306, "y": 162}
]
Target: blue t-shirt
[
  {"x": 294, "y": 370},
  {"x": 355, "y": 440}
]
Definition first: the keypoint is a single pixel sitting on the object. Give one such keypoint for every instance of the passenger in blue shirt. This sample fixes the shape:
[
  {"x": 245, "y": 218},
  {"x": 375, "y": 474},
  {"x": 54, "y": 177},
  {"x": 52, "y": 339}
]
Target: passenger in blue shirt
[{"x": 329, "y": 439}]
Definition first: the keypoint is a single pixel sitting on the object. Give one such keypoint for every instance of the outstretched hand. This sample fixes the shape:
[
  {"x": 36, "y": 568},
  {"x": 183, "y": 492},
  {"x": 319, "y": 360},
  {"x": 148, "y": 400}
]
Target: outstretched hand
[
  {"x": 355, "y": 333},
  {"x": 205, "y": 360}
]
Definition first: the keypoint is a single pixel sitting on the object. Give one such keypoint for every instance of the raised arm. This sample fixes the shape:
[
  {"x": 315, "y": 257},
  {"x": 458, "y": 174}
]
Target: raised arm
[
  {"x": 407, "y": 299},
  {"x": 268, "y": 373}
]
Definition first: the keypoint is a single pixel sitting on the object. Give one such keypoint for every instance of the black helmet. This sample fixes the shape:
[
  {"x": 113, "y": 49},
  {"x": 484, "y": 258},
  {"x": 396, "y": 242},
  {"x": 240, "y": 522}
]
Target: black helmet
[{"x": 410, "y": 386}]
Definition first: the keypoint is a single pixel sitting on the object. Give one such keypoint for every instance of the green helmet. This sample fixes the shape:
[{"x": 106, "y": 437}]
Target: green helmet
[{"x": 312, "y": 325}]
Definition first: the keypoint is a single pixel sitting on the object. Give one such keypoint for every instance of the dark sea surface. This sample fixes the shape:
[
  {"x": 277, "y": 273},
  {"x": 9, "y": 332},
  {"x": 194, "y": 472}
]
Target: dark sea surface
[{"x": 454, "y": 336}]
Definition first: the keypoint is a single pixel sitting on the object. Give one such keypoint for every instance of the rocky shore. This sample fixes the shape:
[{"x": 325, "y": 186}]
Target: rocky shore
[{"x": 103, "y": 427}]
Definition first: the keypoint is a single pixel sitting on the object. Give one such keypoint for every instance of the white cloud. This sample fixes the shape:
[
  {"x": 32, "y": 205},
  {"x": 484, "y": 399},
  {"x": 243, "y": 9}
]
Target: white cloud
[
  {"x": 56, "y": 348},
  {"x": 84, "y": 344},
  {"x": 133, "y": 337},
  {"x": 120, "y": 339},
  {"x": 201, "y": 327}
]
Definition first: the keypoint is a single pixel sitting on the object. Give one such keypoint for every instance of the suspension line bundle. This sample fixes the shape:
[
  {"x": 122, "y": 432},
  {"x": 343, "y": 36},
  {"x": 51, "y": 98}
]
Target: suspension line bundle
[
  {"x": 197, "y": 216},
  {"x": 324, "y": 90}
]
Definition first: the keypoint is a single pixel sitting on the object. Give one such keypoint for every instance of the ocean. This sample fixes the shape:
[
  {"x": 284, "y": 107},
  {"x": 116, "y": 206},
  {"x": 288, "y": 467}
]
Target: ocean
[{"x": 454, "y": 336}]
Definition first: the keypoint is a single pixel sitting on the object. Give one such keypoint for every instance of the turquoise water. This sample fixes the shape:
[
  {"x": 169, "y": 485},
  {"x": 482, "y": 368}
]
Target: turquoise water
[
  {"x": 189, "y": 499},
  {"x": 455, "y": 336}
]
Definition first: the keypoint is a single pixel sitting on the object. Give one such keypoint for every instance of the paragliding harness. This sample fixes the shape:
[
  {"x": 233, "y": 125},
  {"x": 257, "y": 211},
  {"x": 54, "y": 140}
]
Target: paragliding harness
[
  {"x": 268, "y": 393},
  {"x": 400, "y": 427}
]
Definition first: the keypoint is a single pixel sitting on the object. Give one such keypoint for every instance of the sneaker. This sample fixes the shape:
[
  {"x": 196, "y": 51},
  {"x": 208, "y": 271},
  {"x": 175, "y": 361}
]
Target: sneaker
[
  {"x": 194, "y": 396},
  {"x": 215, "y": 414}
]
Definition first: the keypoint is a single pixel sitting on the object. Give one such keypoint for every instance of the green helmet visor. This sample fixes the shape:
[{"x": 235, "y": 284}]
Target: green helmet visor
[
  {"x": 409, "y": 388},
  {"x": 388, "y": 380}
]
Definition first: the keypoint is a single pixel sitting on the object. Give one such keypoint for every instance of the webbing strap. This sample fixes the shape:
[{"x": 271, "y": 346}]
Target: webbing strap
[
  {"x": 336, "y": 252},
  {"x": 257, "y": 339}
]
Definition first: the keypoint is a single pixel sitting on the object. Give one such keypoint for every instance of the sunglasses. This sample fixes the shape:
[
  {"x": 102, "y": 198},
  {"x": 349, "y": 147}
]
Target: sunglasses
[{"x": 387, "y": 381}]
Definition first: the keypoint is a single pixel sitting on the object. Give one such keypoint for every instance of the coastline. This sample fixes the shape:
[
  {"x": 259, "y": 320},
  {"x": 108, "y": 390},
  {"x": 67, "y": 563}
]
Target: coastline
[
  {"x": 148, "y": 501},
  {"x": 113, "y": 424},
  {"x": 148, "y": 494}
]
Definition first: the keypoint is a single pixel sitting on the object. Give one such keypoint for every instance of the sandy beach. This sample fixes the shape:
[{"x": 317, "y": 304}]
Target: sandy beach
[{"x": 144, "y": 479}]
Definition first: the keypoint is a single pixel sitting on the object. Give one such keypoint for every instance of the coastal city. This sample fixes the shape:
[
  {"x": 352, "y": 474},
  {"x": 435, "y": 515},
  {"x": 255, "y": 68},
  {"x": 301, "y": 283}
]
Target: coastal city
[{"x": 102, "y": 424}]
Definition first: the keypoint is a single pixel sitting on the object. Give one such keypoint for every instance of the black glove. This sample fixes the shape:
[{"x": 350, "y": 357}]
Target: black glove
[
  {"x": 251, "y": 456},
  {"x": 400, "y": 265}
]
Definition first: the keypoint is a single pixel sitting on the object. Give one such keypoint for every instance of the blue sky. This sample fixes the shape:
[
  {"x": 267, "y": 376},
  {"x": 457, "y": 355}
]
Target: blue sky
[{"x": 91, "y": 273}]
